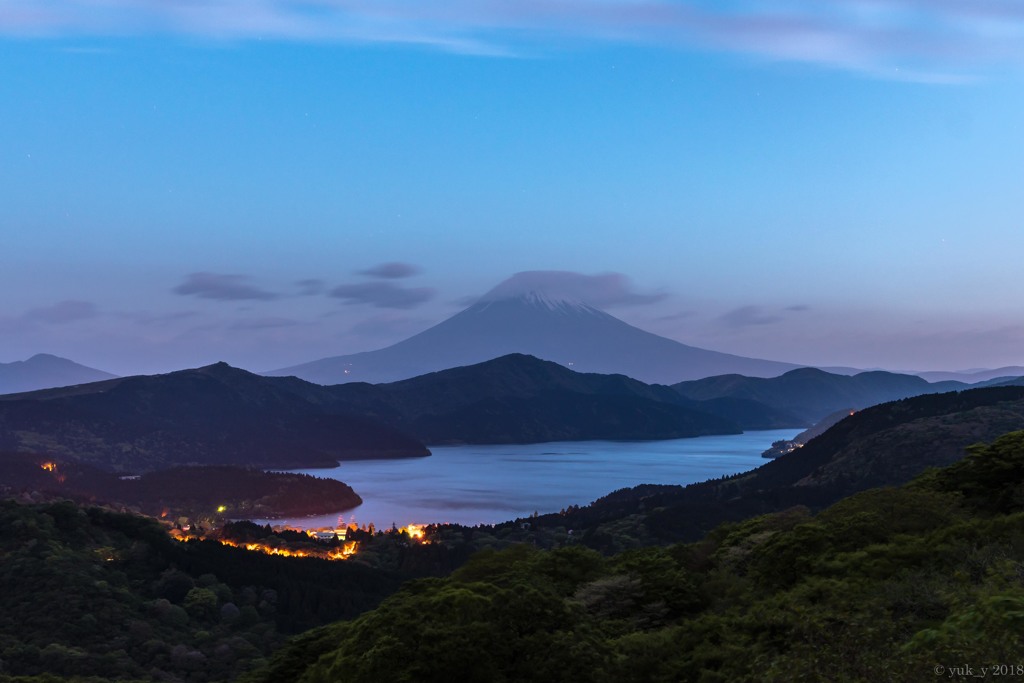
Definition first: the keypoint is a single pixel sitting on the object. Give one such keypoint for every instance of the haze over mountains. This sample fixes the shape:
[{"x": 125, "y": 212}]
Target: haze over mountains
[
  {"x": 43, "y": 371},
  {"x": 520, "y": 316}
]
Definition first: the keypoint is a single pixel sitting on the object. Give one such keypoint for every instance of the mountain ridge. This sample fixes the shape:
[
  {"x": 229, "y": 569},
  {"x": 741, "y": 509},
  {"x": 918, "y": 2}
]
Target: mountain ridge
[
  {"x": 571, "y": 333},
  {"x": 210, "y": 415},
  {"x": 43, "y": 371},
  {"x": 812, "y": 394},
  {"x": 519, "y": 399}
]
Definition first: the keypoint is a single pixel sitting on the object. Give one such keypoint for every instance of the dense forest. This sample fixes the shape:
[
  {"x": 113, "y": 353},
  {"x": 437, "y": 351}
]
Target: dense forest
[
  {"x": 889, "y": 584},
  {"x": 798, "y": 570},
  {"x": 91, "y": 592}
]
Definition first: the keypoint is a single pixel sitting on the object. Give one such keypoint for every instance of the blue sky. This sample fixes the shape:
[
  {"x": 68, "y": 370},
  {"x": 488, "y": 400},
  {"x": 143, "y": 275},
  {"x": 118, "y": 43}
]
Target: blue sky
[{"x": 272, "y": 182}]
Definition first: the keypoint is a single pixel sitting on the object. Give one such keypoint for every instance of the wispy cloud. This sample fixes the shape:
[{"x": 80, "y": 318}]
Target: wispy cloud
[
  {"x": 916, "y": 39},
  {"x": 601, "y": 291},
  {"x": 394, "y": 270},
  {"x": 310, "y": 287},
  {"x": 745, "y": 316},
  {"x": 383, "y": 295},
  {"x": 221, "y": 288}
]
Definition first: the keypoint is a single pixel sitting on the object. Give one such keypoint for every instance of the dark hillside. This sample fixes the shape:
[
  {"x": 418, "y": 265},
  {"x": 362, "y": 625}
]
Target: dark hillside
[
  {"x": 885, "y": 445},
  {"x": 212, "y": 415},
  {"x": 812, "y": 394}
]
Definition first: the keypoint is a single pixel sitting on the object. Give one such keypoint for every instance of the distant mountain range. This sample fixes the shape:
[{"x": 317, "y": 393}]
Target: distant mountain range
[
  {"x": 226, "y": 416},
  {"x": 812, "y": 394},
  {"x": 219, "y": 415},
  {"x": 537, "y": 323},
  {"x": 973, "y": 376},
  {"x": 43, "y": 371}
]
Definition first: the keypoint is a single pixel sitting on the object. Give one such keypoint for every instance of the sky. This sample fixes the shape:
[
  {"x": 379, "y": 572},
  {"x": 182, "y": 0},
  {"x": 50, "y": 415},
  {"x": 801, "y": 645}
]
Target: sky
[{"x": 269, "y": 182}]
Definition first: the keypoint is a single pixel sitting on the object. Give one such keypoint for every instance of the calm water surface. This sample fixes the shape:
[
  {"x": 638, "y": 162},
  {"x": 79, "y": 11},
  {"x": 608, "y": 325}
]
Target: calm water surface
[{"x": 489, "y": 484}]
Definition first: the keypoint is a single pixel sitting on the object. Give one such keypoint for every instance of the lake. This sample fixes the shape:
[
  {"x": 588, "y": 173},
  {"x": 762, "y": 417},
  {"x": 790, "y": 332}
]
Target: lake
[{"x": 489, "y": 484}]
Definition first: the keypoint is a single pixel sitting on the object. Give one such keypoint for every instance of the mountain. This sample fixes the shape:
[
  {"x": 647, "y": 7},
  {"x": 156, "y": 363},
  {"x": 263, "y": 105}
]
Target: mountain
[
  {"x": 884, "y": 445},
  {"x": 212, "y": 415},
  {"x": 522, "y": 399},
  {"x": 973, "y": 376},
  {"x": 540, "y": 324},
  {"x": 812, "y": 394},
  {"x": 42, "y": 371}
]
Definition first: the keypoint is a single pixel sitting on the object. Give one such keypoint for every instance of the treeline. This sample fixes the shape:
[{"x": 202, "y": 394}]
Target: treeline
[
  {"x": 91, "y": 592},
  {"x": 888, "y": 584}
]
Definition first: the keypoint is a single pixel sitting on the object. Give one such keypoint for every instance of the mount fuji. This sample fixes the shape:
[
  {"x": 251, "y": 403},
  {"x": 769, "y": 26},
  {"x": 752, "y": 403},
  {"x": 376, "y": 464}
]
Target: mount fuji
[{"x": 549, "y": 323}]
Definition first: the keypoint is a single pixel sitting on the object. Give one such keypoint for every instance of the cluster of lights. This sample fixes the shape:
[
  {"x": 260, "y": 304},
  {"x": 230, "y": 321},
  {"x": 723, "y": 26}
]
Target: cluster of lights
[
  {"x": 342, "y": 553},
  {"x": 51, "y": 467},
  {"x": 347, "y": 549}
]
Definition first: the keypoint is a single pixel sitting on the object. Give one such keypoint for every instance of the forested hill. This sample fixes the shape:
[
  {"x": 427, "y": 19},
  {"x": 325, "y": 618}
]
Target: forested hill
[
  {"x": 213, "y": 415},
  {"x": 219, "y": 415},
  {"x": 896, "y": 584},
  {"x": 90, "y": 592},
  {"x": 521, "y": 399},
  {"x": 884, "y": 445},
  {"x": 811, "y": 394}
]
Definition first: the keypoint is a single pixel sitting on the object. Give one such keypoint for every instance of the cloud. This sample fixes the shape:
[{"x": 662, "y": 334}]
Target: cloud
[
  {"x": 798, "y": 308},
  {"x": 310, "y": 287},
  {"x": 221, "y": 288},
  {"x": 393, "y": 270},
  {"x": 383, "y": 295},
  {"x": 62, "y": 312},
  {"x": 915, "y": 39},
  {"x": 746, "y": 316},
  {"x": 600, "y": 291},
  {"x": 681, "y": 315}
]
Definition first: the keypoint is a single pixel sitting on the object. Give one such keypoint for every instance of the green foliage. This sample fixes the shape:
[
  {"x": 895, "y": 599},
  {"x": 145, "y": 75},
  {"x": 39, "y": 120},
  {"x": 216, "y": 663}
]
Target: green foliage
[
  {"x": 884, "y": 585},
  {"x": 86, "y": 592},
  {"x": 991, "y": 478}
]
